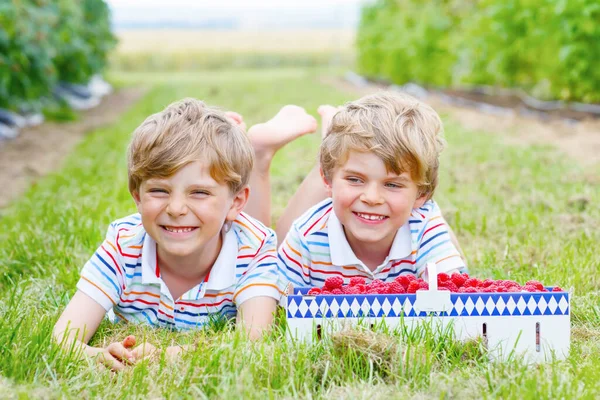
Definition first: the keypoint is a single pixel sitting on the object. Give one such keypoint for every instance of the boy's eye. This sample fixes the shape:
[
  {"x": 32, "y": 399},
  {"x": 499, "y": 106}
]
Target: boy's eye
[
  {"x": 394, "y": 185},
  {"x": 157, "y": 190},
  {"x": 201, "y": 192},
  {"x": 353, "y": 179}
]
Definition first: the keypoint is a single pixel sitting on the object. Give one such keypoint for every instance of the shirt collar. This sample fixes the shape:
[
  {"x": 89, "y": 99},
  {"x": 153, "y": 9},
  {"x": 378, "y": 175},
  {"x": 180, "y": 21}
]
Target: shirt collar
[
  {"x": 220, "y": 276},
  {"x": 342, "y": 254}
]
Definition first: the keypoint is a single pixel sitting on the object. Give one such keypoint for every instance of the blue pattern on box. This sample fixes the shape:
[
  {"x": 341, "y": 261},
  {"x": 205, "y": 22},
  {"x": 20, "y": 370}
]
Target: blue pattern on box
[{"x": 396, "y": 305}]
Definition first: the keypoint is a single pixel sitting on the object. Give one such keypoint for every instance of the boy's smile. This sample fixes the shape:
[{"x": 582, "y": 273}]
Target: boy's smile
[
  {"x": 372, "y": 203},
  {"x": 185, "y": 212}
]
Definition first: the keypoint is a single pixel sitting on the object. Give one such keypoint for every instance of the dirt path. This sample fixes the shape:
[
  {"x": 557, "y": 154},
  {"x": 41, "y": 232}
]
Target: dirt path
[
  {"x": 579, "y": 140},
  {"x": 40, "y": 150}
]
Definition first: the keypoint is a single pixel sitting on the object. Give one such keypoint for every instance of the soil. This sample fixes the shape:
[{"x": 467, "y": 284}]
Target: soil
[
  {"x": 40, "y": 150},
  {"x": 579, "y": 139}
]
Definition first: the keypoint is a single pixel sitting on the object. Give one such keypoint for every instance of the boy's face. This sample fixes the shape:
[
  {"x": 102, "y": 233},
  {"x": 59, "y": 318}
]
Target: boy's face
[
  {"x": 184, "y": 213},
  {"x": 370, "y": 202}
]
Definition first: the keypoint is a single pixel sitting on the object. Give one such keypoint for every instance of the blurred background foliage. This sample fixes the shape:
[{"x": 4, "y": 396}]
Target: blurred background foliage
[
  {"x": 43, "y": 42},
  {"x": 549, "y": 48}
]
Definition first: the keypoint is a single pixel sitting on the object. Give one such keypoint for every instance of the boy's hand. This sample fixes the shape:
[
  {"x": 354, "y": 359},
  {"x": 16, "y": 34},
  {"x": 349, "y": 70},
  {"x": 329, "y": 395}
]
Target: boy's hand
[
  {"x": 237, "y": 119},
  {"x": 115, "y": 356},
  {"x": 288, "y": 124},
  {"x": 145, "y": 351},
  {"x": 326, "y": 112}
]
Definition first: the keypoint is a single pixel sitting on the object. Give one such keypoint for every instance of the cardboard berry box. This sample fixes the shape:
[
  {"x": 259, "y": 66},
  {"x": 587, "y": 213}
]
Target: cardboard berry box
[{"x": 533, "y": 325}]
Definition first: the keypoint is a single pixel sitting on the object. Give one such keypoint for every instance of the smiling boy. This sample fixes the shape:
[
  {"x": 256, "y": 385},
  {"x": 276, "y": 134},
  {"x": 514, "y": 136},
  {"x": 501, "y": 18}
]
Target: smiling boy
[
  {"x": 379, "y": 162},
  {"x": 189, "y": 254}
]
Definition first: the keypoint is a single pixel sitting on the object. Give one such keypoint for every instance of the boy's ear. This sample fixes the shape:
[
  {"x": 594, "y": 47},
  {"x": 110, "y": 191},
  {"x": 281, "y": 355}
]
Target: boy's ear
[
  {"x": 325, "y": 182},
  {"x": 136, "y": 197},
  {"x": 239, "y": 202},
  {"x": 421, "y": 200}
]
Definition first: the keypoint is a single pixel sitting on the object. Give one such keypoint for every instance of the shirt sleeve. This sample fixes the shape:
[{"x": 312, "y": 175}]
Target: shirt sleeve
[
  {"x": 102, "y": 276},
  {"x": 261, "y": 277},
  {"x": 435, "y": 245},
  {"x": 292, "y": 257}
]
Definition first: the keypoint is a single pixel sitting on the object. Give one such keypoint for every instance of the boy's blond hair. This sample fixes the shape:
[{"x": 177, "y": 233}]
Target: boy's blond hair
[
  {"x": 405, "y": 133},
  {"x": 187, "y": 131}
]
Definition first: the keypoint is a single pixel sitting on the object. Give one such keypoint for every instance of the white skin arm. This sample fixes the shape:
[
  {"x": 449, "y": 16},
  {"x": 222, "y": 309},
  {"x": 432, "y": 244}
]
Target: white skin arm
[
  {"x": 255, "y": 315},
  {"x": 78, "y": 323}
]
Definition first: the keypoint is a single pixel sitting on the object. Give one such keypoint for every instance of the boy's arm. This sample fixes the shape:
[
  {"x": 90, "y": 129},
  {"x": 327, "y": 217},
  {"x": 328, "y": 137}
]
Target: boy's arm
[
  {"x": 78, "y": 323},
  {"x": 255, "y": 315},
  {"x": 259, "y": 289}
]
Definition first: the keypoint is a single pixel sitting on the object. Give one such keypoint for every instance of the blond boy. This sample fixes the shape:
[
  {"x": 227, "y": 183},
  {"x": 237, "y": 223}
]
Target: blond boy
[
  {"x": 189, "y": 254},
  {"x": 379, "y": 163}
]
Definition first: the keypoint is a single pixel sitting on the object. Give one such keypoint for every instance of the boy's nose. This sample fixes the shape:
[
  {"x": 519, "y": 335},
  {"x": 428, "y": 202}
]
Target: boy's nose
[
  {"x": 177, "y": 206},
  {"x": 371, "y": 195}
]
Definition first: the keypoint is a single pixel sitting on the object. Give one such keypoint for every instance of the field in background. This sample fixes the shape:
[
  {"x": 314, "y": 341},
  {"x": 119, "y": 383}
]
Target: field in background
[
  {"x": 170, "y": 49},
  {"x": 510, "y": 205}
]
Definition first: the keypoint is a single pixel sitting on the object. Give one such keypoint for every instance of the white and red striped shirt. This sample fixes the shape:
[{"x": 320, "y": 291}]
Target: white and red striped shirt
[{"x": 124, "y": 277}]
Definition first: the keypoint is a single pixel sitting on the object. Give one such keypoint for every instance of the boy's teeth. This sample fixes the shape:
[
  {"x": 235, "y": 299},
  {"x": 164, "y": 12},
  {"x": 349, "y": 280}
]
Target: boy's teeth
[
  {"x": 178, "y": 230},
  {"x": 371, "y": 217}
]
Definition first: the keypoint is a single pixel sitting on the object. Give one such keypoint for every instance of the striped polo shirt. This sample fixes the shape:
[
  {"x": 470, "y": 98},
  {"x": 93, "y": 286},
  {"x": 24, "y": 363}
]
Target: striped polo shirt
[
  {"x": 123, "y": 276},
  {"x": 316, "y": 248}
]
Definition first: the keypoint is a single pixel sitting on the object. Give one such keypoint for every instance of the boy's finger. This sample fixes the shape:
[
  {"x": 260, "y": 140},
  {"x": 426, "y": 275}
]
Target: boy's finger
[
  {"x": 119, "y": 351},
  {"x": 143, "y": 351},
  {"x": 111, "y": 362}
]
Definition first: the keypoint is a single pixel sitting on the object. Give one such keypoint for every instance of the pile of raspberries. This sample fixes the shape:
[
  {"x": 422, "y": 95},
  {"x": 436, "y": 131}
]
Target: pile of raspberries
[{"x": 457, "y": 283}]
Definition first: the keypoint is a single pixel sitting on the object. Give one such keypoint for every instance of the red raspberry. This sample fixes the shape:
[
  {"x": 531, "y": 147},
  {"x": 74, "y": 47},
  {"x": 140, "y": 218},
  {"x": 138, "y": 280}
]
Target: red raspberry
[
  {"x": 423, "y": 285},
  {"x": 470, "y": 289},
  {"x": 413, "y": 287},
  {"x": 361, "y": 288},
  {"x": 325, "y": 292},
  {"x": 489, "y": 282},
  {"x": 334, "y": 282},
  {"x": 353, "y": 290},
  {"x": 404, "y": 280},
  {"x": 513, "y": 289},
  {"x": 472, "y": 282},
  {"x": 372, "y": 290},
  {"x": 314, "y": 292},
  {"x": 129, "y": 341},
  {"x": 396, "y": 288},
  {"x": 508, "y": 284},
  {"x": 458, "y": 279},
  {"x": 443, "y": 277},
  {"x": 450, "y": 286},
  {"x": 337, "y": 291},
  {"x": 557, "y": 289},
  {"x": 535, "y": 284},
  {"x": 377, "y": 283},
  {"x": 530, "y": 288},
  {"x": 357, "y": 280}
]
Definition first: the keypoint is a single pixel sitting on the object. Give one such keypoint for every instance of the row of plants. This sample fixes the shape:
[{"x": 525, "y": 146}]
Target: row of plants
[
  {"x": 547, "y": 47},
  {"x": 44, "y": 42}
]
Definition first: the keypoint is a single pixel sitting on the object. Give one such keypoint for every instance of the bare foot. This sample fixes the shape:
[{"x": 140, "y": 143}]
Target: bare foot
[
  {"x": 288, "y": 124},
  {"x": 326, "y": 112}
]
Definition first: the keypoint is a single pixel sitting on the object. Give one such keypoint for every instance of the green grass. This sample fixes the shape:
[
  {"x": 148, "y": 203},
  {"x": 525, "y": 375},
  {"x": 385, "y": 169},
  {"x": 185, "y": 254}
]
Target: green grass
[{"x": 511, "y": 206}]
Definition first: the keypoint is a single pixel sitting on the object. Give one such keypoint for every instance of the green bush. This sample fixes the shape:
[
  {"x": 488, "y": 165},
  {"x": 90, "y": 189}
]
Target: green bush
[
  {"x": 27, "y": 71},
  {"x": 45, "y": 41},
  {"x": 547, "y": 47}
]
